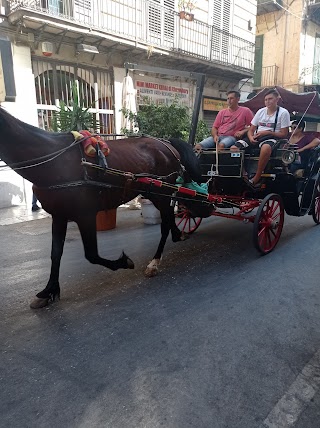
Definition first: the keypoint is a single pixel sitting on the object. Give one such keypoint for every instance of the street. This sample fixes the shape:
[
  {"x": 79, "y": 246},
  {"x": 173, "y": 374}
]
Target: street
[{"x": 221, "y": 338}]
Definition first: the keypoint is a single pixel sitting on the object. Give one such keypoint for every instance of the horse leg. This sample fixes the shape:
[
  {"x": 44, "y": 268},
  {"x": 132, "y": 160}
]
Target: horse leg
[
  {"x": 87, "y": 227},
  {"x": 59, "y": 229},
  {"x": 168, "y": 223}
]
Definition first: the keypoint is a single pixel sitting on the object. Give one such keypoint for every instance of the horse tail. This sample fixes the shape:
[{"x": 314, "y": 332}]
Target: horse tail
[{"x": 188, "y": 159}]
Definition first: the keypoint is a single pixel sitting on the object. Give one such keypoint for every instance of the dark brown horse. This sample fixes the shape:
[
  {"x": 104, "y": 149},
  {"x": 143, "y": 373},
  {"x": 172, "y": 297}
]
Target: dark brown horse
[{"x": 69, "y": 191}]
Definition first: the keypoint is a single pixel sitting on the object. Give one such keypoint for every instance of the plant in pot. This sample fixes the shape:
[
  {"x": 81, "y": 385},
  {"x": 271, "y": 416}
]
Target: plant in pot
[
  {"x": 77, "y": 117},
  {"x": 185, "y": 9},
  {"x": 163, "y": 121}
]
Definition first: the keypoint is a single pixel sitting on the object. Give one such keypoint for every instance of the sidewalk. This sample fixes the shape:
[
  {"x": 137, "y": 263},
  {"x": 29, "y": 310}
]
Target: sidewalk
[{"x": 20, "y": 214}]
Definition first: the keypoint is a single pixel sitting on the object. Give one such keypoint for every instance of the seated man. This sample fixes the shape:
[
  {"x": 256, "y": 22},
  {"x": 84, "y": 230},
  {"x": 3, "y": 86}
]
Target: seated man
[
  {"x": 269, "y": 124},
  {"x": 304, "y": 143},
  {"x": 231, "y": 124}
]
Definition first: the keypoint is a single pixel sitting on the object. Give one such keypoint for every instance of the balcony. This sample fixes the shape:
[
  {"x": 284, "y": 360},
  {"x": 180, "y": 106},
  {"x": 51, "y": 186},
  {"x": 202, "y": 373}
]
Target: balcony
[
  {"x": 267, "y": 6},
  {"x": 138, "y": 27},
  {"x": 269, "y": 76},
  {"x": 313, "y": 11}
]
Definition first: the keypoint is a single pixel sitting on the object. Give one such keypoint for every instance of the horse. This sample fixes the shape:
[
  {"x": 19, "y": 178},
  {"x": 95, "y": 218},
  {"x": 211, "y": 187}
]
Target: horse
[{"x": 69, "y": 191}]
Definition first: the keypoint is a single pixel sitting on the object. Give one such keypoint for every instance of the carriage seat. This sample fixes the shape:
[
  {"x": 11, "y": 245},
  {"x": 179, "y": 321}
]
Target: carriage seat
[{"x": 313, "y": 161}]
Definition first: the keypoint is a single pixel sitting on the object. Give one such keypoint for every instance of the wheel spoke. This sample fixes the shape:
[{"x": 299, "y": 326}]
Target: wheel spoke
[
  {"x": 186, "y": 222},
  {"x": 270, "y": 208},
  {"x": 268, "y": 239},
  {"x": 276, "y": 216},
  {"x": 262, "y": 230},
  {"x": 262, "y": 239},
  {"x": 274, "y": 210},
  {"x": 268, "y": 223},
  {"x": 272, "y": 231}
]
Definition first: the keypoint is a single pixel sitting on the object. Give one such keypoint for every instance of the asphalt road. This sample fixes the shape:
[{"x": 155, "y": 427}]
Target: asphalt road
[{"x": 222, "y": 338}]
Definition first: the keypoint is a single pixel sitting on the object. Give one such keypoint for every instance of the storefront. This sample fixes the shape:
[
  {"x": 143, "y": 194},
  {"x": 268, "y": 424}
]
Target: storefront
[
  {"x": 210, "y": 107},
  {"x": 163, "y": 91}
]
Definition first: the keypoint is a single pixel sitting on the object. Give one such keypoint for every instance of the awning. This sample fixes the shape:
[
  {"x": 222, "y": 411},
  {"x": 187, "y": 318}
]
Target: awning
[{"x": 296, "y": 104}]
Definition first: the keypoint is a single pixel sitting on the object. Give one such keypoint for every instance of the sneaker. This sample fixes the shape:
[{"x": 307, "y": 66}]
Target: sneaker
[{"x": 35, "y": 208}]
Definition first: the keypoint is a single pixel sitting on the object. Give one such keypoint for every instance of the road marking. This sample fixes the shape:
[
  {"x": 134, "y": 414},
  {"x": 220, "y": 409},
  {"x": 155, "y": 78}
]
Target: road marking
[{"x": 288, "y": 409}]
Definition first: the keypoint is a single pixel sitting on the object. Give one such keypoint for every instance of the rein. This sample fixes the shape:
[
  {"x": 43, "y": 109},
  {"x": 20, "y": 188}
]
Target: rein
[{"x": 42, "y": 159}]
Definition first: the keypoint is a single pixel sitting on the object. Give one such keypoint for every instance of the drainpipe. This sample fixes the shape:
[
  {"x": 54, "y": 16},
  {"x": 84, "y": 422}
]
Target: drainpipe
[{"x": 284, "y": 46}]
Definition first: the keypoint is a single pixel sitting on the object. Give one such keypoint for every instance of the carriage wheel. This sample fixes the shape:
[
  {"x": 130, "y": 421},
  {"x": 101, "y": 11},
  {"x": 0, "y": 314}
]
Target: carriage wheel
[
  {"x": 315, "y": 209},
  {"x": 185, "y": 221},
  {"x": 268, "y": 223}
]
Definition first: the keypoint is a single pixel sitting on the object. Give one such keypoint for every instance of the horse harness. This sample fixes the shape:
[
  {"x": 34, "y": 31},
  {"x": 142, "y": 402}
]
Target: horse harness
[{"x": 101, "y": 165}]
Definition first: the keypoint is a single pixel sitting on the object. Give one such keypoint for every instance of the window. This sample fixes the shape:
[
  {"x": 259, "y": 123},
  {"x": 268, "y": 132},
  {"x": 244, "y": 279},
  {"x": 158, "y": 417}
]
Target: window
[
  {"x": 316, "y": 62},
  {"x": 161, "y": 22},
  {"x": 221, "y": 20}
]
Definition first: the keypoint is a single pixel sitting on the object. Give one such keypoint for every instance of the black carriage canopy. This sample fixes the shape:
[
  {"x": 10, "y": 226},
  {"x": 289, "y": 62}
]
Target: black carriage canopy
[{"x": 295, "y": 103}]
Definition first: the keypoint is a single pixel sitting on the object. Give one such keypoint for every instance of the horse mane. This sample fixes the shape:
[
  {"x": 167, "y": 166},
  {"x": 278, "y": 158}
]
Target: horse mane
[{"x": 188, "y": 159}]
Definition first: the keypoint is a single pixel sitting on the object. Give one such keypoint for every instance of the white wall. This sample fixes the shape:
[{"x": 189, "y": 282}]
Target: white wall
[{"x": 14, "y": 190}]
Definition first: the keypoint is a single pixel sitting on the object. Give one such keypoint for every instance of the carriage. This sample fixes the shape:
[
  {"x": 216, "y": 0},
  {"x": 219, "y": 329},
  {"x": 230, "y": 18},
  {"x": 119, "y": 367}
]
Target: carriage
[
  {"x": 231, "y": 195},
  {"x": 72, "y": 187}
]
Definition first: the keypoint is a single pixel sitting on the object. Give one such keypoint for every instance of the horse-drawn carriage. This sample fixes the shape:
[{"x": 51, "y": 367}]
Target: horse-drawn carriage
[
  {"x": 231, "y": 195},
  {"x": 72, "y": 187}
]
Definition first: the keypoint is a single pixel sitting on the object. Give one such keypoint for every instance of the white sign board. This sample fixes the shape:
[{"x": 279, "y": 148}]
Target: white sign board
[{"x": 159, "y": 93}]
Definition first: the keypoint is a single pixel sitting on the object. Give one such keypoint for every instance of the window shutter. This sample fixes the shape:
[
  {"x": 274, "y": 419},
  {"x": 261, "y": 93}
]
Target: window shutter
[
  {"x": 258, "y": 61},
  {"x": 221, "y": 29},
  {"x": 161, "y": 21}
]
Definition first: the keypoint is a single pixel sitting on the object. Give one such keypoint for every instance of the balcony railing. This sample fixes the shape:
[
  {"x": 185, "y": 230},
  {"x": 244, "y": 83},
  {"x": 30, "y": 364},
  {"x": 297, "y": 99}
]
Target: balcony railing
[
  {"x": 269, "y": 76},
  {"x": 148, "y": 23}
]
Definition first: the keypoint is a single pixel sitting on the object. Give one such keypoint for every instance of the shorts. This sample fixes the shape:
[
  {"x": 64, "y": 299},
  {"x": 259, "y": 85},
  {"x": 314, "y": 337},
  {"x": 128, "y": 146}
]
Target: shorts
[{"x": 248, "y": 146}]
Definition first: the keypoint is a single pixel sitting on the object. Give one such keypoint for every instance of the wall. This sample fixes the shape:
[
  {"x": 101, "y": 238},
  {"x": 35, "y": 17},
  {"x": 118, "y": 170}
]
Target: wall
[
  {"x": 245, "y": 11},
  {"x": 307, "y": 46},
  {"x": 281, "y": 44},
  {"x": 14, "y": 190}
]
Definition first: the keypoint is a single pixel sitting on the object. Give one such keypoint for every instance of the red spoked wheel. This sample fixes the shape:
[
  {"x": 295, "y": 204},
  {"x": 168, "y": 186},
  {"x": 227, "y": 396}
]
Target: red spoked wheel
[
  {"x": 315, "y": 208},
  {"x": 268, "y": 223},
  {"x": 185, "y": 221}
]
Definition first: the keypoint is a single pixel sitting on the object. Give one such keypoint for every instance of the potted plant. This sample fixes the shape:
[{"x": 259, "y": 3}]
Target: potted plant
[
  {"x": 185, "y": 9},
  {"x": 77, "y": 117},
  {"x": 162, "y": 121}
]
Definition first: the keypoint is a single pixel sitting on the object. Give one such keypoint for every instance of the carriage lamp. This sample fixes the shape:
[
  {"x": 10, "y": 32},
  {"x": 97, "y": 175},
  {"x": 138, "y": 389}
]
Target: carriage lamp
[{"x": 288, "y": 157}]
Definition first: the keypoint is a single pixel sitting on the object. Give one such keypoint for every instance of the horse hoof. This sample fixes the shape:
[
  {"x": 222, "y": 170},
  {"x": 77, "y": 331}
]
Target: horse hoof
[
  {"x": 130, "y": 263},
  {"x": 185, "y": 236},
  {"x": 150, "y": 272},
  {"x": 38, "y": 303}
]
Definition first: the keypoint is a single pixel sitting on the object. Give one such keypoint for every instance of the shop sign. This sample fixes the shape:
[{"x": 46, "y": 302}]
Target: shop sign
[
  {"x": 214, "y": 104},
  {"x": 159, "y": 93}
]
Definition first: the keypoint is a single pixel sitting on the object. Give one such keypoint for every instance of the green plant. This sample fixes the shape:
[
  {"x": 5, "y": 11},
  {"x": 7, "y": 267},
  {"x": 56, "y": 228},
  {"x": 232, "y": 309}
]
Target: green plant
[
  {"x": 165, "y": 121},
  {"x": 202, "y": 131},
  {"x": 73, "y": 118}
]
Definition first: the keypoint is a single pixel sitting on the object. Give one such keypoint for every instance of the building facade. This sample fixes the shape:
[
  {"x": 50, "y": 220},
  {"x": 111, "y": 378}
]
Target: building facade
[
  {"x": 287, "y": 51},
  {"x": 56, "y": 42}
]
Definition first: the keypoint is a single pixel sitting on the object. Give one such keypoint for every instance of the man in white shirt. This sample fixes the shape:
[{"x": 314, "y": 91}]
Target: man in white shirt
[{"x": 269, "y": 124}]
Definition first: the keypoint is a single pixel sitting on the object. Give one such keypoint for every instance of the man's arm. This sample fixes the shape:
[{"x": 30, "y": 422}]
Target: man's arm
[
  {"x": 248, "y": 118},
  {"x": 251, "y": 134},
  {"x": 283, "y": 133},
  {"x": 214, "y": 133},
  {"x": 240, "y": 134},
  {"x": 314, "y": 143}
]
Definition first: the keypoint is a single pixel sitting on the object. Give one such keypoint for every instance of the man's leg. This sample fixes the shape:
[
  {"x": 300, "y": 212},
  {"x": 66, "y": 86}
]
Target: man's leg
[
  {"x": 265, "y": 153},
  {"x": 225, "y": 142},
  {"x": 207, "y": 143}
]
